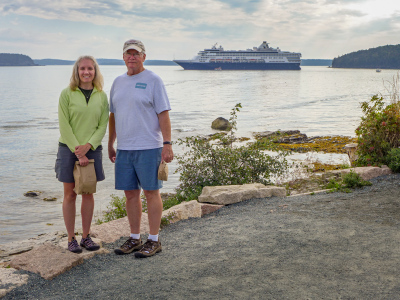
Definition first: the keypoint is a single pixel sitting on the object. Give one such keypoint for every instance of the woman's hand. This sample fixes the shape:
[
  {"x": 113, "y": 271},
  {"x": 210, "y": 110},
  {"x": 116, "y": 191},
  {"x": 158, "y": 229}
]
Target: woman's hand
[
  {"x": 83, "y": 161},
  {"x": 81, "y": 150}
]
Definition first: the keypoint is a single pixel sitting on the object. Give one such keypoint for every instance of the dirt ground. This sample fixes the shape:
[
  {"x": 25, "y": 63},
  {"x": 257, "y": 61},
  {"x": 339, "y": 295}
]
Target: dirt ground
[{"x": 325, "y": 246}]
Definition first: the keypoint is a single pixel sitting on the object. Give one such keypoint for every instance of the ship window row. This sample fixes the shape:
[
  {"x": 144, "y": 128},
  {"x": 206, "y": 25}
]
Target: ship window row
[{"x": 252, "y": 54}]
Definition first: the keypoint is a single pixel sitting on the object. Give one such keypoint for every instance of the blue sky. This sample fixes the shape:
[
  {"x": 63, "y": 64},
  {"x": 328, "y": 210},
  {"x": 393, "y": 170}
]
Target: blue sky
[{"x": 178, "y": 29}]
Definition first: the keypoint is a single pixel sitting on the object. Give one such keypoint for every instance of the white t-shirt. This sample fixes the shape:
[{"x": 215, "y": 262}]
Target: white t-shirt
[{"x": 135, "y": 102}]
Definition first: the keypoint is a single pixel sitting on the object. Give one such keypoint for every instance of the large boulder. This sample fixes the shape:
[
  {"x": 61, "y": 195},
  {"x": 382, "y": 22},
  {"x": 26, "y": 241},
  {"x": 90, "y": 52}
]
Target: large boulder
[
  {"x": 221, "y": 124},
  {"x": 18, "y": 247},
  {"x": 47, "y": 260},
  {"x": 229, "y": 194},
  {"x": 184, "y": 210},
  {"x": 207, "y": 208},
  {"x": 366, "y": 173}
]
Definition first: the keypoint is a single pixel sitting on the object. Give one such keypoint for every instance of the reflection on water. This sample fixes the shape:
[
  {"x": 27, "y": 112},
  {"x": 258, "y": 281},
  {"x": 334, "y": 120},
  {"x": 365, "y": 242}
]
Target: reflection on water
[{"x": 315, "y": 100}]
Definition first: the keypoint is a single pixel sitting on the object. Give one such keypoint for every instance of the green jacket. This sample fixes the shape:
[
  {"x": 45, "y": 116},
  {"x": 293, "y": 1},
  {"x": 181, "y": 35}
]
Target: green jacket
[{"x": 82, "y": 122}]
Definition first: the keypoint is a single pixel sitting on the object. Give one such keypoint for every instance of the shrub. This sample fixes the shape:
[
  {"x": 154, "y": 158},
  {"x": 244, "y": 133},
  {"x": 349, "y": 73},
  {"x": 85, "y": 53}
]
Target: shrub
[
  {"x": 349, "y": 181},
  {"x": 217, "y": 161},
  {"x": 115, "y": 210},
  {"x": 379, "y": 130},
  {"x": 393, "y": 160},
  {"x": 354, "y": 180}
]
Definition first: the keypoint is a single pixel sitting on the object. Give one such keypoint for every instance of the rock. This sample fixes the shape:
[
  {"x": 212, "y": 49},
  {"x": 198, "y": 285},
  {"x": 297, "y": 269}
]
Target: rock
[
  {"x": 50, "y": 199},
  {"x": 184, "y": 210},
  {"x": 367, "y": 173},
  {"x": 229, "y": 194},
  {"x": 10, "y": 279},
  {"x": 207, "y": 208},
  {"x": 351, "y": 150},
  {"x": 294, "y": 138},
  {"x": 266, "y": 134},
  {"x": 32, "y": 194},
  {"x": 14, "y": 248},
  {"x": 221, "y": 124},
  {"x": 111, "y": 231},
  {"x": 47, "y": 260}
]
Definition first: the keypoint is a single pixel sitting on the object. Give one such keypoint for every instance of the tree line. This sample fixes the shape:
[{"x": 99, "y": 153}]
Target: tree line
[
  {"x": 9, "y": 59},
  {"x": 383, "y": 57}
]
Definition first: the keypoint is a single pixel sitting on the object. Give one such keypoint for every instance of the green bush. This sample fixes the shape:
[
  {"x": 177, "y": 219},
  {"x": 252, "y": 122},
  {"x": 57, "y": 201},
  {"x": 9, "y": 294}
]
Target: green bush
[
  {"x": 348, "y": 181},
  {"x": 115, "y": 210},
  {"x": 217, "y": 161},
  {"x": 393, "y": 160},
  {"x": 379, "y": 131},
  {"x": 353, "y": 180}
]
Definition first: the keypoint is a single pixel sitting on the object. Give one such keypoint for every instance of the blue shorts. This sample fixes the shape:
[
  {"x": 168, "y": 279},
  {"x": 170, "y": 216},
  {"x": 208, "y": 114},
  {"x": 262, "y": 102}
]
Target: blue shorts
[
  {"x": 136, "y": 169},
  {"x": 66, "y": 159}
]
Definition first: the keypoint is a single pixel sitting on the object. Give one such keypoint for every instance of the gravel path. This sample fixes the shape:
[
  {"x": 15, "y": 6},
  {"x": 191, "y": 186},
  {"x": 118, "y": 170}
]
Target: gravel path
[{"x": 326, "y": 246}]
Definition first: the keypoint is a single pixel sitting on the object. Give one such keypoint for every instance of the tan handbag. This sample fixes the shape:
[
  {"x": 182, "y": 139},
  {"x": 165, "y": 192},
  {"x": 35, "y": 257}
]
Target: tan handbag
[
  {"x": 85, "y": 178},
  {"x": 163, "y": 171}
]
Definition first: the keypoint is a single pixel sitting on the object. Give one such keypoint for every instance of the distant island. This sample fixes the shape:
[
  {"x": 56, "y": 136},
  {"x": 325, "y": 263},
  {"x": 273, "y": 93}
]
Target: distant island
[
  {"x": 8, "y": 59},
  {"x": 15, "y": 60},
  {"x": 100, "y": 61},
  {"x": 383, "y": 57}
]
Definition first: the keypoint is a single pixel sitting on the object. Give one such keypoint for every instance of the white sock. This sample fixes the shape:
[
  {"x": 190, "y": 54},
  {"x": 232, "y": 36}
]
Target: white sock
[
  {"x": 152, "y": 237},
  {"x": 135, "y": 236}
]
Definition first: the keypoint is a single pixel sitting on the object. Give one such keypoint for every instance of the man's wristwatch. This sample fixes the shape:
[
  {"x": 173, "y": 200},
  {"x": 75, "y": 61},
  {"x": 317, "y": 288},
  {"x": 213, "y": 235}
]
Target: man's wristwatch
[{"x": 167, "y": 143}]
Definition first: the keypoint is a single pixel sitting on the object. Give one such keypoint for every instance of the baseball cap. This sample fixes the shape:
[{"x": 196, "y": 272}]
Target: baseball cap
[{"x": 134, "y": 44}]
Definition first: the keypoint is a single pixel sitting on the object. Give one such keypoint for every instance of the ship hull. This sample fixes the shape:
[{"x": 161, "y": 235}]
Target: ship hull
[{"x": 189, "y": 65}]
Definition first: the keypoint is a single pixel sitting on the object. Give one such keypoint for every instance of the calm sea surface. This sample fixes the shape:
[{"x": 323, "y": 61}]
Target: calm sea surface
[{"x": 315, "y": 100}]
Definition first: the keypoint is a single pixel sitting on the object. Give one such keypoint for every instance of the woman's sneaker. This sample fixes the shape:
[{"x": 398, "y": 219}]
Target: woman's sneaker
[
  {"x": 129, "y": 246},
  {"x": 88, "y": 244},
  {"x": 149, "y": 249},
  {"x": 73, "y": 246}
]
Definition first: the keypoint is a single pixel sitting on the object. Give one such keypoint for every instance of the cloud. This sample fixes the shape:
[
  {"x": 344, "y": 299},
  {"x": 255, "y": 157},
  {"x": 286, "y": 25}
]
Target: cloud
[{"x": 181, "y": 27}]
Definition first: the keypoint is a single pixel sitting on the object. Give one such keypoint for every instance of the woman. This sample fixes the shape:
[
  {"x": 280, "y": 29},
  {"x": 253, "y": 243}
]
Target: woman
[{"x": 83, "y": 117}]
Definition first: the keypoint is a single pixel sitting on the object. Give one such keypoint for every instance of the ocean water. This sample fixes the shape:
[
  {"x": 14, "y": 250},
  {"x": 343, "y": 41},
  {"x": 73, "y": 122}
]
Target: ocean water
[{"x": 315, "y": 100}]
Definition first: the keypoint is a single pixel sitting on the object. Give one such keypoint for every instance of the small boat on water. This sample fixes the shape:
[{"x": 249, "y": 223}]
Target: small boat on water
[{"x": 378, "y": 70}]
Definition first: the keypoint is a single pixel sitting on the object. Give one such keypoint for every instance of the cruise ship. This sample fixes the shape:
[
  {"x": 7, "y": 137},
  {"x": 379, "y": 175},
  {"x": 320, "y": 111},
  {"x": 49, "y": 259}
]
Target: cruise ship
[{"x": 258, "y": 58}]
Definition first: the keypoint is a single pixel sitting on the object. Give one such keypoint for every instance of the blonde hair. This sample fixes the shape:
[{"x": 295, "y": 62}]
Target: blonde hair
[{"x": 98, "y": 80}]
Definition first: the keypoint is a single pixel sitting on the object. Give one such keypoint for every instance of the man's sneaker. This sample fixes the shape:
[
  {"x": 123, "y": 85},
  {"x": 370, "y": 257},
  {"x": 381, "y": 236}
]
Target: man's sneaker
[
  {"x": 88, "y": 244},
  {"x": 73, "y": 246},
  {"x": 129, "y": 246},
  {"x": 149, "y": 249}
]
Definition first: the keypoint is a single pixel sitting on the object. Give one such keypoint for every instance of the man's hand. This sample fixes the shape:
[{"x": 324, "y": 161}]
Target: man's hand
[
  {"x": 167, "y": 154},
  {"x": 112, "y": 155}
]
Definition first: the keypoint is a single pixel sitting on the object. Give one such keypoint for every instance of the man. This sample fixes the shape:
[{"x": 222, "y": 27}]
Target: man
[{"x": 139, "y": 120}]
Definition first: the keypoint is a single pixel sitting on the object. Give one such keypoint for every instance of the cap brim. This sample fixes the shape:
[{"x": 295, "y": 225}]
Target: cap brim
[{"x": 138, "y": 49}]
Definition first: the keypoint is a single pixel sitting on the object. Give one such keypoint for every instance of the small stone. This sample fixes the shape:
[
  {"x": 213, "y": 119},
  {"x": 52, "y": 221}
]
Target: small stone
[
  {"x": 32, "y": 194},
  {"x": 50, "y": 199}
]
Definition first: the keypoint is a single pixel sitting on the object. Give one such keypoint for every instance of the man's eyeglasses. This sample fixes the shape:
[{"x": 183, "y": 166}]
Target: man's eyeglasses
[{"x": 133, "y": 54}]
